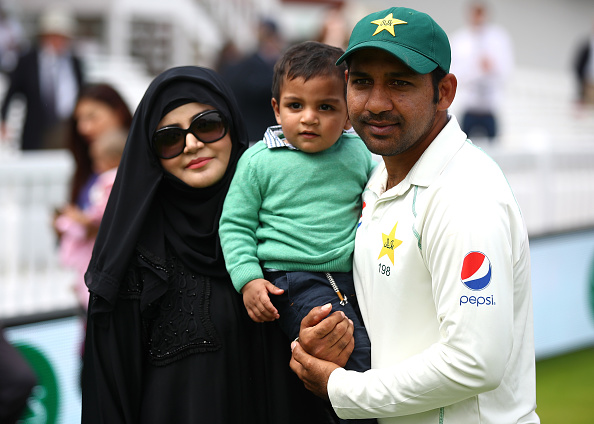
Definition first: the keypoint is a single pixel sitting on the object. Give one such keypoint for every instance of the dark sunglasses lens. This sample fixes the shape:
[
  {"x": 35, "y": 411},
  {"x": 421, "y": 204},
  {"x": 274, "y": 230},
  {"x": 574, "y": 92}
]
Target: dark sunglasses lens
[
  {"x": 209, "y": 127},
  {"x": 169, "y": 142}
]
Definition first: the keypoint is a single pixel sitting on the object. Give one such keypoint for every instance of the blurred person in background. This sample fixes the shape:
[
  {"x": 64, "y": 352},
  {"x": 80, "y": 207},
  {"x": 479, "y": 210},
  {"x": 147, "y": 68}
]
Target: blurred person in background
[
  {"x": 335, "y": 31},
  {"x": 48, "y": 77},
  {"x": 228, "y": 57},
  {"x": 482, "y": 59},
  {"x": 584, "y": 69},
  {"x": 12, "y": 40},
  {"x": 17, "y": 380},
  {"x": 78, "y": 227},
  {"x": 251, "y": 80},
  {"x": 99, "y": 108}
]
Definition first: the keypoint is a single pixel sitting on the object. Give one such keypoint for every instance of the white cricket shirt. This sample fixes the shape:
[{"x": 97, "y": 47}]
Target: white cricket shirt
[{"x": 442, "y": 273}]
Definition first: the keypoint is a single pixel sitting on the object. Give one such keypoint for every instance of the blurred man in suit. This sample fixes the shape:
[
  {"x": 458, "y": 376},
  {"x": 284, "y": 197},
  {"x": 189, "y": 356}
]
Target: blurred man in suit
[{"x": 48, "y": 78}]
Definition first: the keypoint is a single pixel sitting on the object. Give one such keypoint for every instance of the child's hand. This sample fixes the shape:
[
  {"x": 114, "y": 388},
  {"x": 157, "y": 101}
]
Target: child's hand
[
  {"x": 75, "y": 214},
  {"x": 257, "y": 302}
]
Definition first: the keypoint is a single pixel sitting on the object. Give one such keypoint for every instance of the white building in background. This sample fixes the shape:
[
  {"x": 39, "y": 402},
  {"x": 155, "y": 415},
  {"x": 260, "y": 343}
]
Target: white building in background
[
  {"x": 159, "y": 33},
  {"x": 545, "y": 34},
  {"x": 127, "y": 42},
  {"x": 165, "y": 33}
]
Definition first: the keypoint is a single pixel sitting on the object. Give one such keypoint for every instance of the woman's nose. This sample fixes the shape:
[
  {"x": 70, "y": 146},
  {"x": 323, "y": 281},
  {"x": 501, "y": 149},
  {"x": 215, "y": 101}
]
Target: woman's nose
[{"x": 192, "y": 143}]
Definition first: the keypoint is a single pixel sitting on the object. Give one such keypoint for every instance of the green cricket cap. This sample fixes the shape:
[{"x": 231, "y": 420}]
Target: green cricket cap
[{"x": 412, "y": 36}]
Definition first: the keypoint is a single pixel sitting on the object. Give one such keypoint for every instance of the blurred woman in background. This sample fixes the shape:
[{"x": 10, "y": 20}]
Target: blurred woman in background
[{"x": 99, "y": 109}]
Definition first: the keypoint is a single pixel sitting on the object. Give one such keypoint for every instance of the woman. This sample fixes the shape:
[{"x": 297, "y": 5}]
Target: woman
[
  {"x": 168, "y": 339},
  {"x": 99, "y": 109}
]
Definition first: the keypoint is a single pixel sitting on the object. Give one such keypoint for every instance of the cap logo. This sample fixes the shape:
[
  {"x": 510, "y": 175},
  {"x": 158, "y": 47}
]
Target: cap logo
[{"x": 387, "y": 24}]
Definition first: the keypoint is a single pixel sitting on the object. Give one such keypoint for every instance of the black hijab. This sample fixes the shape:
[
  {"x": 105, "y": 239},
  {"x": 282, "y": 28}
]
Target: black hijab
[{"x": 149, "y": 208}]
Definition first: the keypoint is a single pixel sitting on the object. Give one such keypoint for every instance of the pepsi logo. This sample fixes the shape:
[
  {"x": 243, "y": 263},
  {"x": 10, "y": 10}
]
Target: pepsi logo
[{"x": 476, "y": 271}]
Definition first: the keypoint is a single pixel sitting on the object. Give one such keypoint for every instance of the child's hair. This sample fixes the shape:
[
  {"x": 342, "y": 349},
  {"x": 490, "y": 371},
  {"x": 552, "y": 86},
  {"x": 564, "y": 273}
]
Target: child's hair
[
  {"x": 111, "y": 143},
  {"x": 307, "y": 60}
]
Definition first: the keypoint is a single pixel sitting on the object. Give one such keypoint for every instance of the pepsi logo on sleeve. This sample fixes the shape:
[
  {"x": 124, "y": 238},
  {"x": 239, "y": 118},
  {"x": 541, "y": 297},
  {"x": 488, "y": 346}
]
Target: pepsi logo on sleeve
[{"x": 476, "y": 271}]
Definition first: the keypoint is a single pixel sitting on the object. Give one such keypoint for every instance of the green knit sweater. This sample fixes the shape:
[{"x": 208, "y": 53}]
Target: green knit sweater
[{"x": 294, "y": 211}]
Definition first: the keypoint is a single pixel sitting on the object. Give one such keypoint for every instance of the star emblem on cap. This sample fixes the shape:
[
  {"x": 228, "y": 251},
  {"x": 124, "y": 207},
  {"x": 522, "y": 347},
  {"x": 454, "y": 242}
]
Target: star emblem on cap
[{"x": 387, "y": 24}]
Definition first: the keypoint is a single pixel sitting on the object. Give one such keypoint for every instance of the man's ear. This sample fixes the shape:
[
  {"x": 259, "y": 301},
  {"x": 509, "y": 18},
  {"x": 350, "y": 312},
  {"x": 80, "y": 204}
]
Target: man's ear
[
  {"x": 447, "y": 91},
  {"x": 276, "y": 109}
]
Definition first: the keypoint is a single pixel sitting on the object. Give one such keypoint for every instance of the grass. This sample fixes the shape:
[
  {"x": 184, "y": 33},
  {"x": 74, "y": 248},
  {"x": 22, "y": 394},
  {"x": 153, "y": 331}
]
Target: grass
[{"x": 565, "y": 388}]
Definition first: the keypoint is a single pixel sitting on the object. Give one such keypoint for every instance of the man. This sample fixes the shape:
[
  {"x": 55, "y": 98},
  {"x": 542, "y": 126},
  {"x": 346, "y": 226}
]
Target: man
[
  {"x": 482, "y": 59},
  {"x": 442, "y": 268},
  {"x": 48, "y": 77},
  {"x": 251, "y": 78},
  {"x": 583, "y": 68}
]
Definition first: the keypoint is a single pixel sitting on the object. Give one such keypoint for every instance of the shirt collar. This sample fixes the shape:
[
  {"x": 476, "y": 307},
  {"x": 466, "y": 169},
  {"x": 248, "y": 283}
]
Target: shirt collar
[
  {"x": 439, "y": 153},
  {"x": 275, "y": 138},
  {"x": 431, "y": 163}
]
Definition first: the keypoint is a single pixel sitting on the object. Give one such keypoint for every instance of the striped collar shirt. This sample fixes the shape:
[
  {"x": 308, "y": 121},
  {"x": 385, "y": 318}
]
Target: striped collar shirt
[{"x": 274, "y": 138}]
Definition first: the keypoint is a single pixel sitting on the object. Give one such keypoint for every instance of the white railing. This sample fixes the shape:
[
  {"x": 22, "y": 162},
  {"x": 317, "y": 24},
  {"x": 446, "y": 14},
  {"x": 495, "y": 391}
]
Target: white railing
[
  {"x": 32, "y": 186},
  {"x": 547, "y": 150},
  {"x": 554, "y": 187}
]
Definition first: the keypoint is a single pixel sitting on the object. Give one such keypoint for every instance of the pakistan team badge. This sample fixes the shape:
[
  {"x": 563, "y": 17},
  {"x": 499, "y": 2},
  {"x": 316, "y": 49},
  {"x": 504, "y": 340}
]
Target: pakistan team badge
[
  {"x": 387, "y": 24},
  {"x": 390, "y": 242},
  {"x": 42, "y": 405}
]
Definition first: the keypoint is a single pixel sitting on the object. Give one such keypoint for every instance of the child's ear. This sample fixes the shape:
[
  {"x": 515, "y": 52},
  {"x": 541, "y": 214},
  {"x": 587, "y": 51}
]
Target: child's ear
[
  {"x": 347, "y": 124},
  {"x": 276, "y": 109}
]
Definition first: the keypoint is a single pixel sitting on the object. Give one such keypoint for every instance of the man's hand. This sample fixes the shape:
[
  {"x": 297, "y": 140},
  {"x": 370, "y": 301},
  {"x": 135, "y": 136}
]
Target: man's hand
[
  {"x": 327, "y": 337},
  {"x": 257, "y": 302},
  {"x": 312, "y": 371}
]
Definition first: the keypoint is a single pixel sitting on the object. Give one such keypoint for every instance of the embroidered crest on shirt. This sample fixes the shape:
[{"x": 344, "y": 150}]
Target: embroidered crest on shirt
[
  {"x": 390, "y": 243},
  {"x": 387, "y": 24}
]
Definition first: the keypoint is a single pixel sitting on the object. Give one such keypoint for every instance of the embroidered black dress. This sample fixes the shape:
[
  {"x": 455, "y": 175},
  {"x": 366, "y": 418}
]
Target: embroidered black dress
[{"x": 168, "y": 338}]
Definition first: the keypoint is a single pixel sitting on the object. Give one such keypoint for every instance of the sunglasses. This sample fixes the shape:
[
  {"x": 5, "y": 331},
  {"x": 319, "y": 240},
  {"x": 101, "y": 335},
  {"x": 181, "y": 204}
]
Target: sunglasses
[{"x": 208, "y": 127}]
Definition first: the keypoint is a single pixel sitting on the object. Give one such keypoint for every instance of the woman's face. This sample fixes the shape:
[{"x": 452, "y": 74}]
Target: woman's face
[
  {"x": 201, "y": 164},
  {"x": 94, "y": 118}
]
